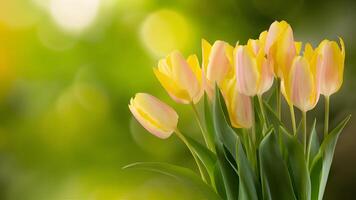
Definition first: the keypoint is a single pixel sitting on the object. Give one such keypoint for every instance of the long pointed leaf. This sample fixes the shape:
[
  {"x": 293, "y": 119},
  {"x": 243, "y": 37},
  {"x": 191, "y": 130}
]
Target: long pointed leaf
[
  {"x": 204, "y": 154},
  {"x": 248, "y": 181},
  {"x": 185, "y": 175},
  {"x": 322, "y": 162},
  {"x": 314, "y": 144},
  {"x": 297, "y": 167},
  {"x": 276, "y": 183}
]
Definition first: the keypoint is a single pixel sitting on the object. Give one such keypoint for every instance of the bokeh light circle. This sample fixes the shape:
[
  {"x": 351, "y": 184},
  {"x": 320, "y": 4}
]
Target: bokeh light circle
[
  {"x": 74, "y": 15},
  {"x": 165, "y": 30}
]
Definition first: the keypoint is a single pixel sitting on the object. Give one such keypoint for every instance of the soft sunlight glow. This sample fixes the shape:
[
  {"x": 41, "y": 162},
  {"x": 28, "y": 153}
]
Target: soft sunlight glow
[
  {"x": 165, "y": 30},
  {"x": 74, "y": 15}
]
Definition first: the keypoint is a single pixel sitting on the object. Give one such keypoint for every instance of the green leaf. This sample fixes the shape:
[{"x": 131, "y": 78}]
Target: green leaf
[
  {"x": 218, "y": 181},
  {"x": 272, "y": 118},
  {"x": 297, "y": 167},
  {"x": 185, "y": 175},
  {"x": 322, "y": 162},
  {"x": 247, "y": 179},
  {"x": 223, "y": 131},
  {"x": 272, "y": 98},
  {"x": 314, "y": 144},
  {"x": 276, "y": 182},
  {"x": 205, "y": 155},
  {"x": 229, "y": 175}
]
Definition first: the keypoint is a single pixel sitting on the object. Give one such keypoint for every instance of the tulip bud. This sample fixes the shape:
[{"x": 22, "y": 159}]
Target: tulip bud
[
  {"x": 331, "y": 64},
  {"x": 254, "y": 73},
  {"x": 154, "y": 115},
  {"x": 301, "y": 88},
  {"x": 216, "y": 62},
  {"x": 280, "y": 47},
  {"x": 181, "y": 78},
  {"x": 238, "y": 105}
]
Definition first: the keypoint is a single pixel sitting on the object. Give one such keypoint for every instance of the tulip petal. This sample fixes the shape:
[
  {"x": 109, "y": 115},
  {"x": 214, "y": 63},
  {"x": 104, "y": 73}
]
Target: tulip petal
[
  {"x": 175, "y": 91},
  {"x": 154, "y": 115},
  {"x": 247, "y": 75},
  {"x": 219, "y": 65},
  {"x": 302, "y": 84},
  {"x": 184, "y": 75},
  {"x": 206, "y": 49}
]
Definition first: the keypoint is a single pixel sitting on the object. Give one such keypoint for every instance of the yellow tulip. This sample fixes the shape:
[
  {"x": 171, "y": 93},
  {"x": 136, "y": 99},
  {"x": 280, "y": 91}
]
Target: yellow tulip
[
  {"x": 181, "y": 78},
  {"x": 280, "y": 47},
  {"x": 302, "y": 85},
  {"x": 331, "y": 64},
  {"x": 254, "y": 73},
  {"x": 154, "y": 115},
  {"x": 238, "y": 105},
  {"x": 216, "y": 61}
]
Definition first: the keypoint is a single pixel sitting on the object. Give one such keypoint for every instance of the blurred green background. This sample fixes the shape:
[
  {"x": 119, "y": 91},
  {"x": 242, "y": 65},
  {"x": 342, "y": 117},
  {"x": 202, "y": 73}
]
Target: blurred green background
[{"x": 69, "y": 67}]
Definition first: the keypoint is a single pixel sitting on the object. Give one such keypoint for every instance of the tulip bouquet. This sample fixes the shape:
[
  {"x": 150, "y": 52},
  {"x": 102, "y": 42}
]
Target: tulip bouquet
[{"x": 248, "y": 151}]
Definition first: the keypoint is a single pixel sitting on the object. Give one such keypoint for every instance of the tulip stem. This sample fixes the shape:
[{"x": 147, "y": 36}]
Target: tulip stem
[
  {"x": 304, "y": 120},
  {"x": 292, "y": 115},
  {"x": 185, "y": 141},
  {"x": 260, "y": 101},
  {"x": 279, "y": 98},
  {"x": 207, "y": 140},
  {"x": 326, "y": 122}
]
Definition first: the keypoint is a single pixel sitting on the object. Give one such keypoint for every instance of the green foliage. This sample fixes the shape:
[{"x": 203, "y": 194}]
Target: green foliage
[
  {"x": 322, "y": 162},
  {"x": 269, "y": 165},
  {"x": 185, "y": 175}
]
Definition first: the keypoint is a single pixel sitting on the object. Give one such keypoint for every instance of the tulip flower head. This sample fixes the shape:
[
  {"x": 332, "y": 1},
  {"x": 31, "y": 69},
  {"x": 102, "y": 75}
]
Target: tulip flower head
[
  {"x": 331, "y": 63},
  {"x": 238, "y": 105},
  {"x": 154, "y": 115},
  {"x": 254, "y": 73},
  {"x": 216, "y": 61},
  {"x": 181, "y": 78},
  {"x": 302, "y": 86},
  {"x": 280, "y": 47}
]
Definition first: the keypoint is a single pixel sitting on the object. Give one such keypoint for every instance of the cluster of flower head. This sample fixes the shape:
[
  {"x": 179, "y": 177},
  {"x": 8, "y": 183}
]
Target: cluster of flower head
[{"x": 242, "y": 72}]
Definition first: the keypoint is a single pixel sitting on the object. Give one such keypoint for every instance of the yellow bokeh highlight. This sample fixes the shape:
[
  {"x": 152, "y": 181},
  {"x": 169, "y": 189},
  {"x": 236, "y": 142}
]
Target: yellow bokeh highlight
[{"x": 165, "y": 30}]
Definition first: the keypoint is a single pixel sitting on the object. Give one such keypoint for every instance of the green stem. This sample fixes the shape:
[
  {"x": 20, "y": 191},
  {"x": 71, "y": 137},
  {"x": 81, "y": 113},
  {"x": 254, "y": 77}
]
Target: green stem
[
  {"x": 260, "y": 101},
  {"x": 304, "y": 118},
  {"x": 326, "y": 122},
  {"x": 185, "y": 141},
  {"x": 292, "y": 115},
  {"x": 279, "y": 98},
  {"x": 253, "y": 138},
  {"x": 206, "y": 137}
]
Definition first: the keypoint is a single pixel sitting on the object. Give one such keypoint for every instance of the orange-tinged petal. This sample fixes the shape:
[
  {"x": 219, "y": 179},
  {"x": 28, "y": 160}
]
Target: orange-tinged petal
[
  {"x": 181, "y": 78},
  {"x": 239, "y": 106},
  {"x": 266, "y": 77},
  {"x": 247, "y": 74},
  {"x": 331, "y": 65},
  {"x": 303, "y": 93},
  {"x": 154, "y": 115},
  {"x": 175, "y": 91},
  {"x": 218, "y": 65}
]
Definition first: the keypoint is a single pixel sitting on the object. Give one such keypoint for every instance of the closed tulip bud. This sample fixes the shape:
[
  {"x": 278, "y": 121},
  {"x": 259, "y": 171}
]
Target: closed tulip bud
[
  {"x": 280, "y": 47},
  {"x": 302, "y": 86},
  {"x": 154, "y": 115},
  {"x": 181, "y": 78},
  {"x": 216, "y": 61},
  {"x": 238, "y": 105},
  {"x": 331, "y": 63},
  {"x": 254, "y": 73}
]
